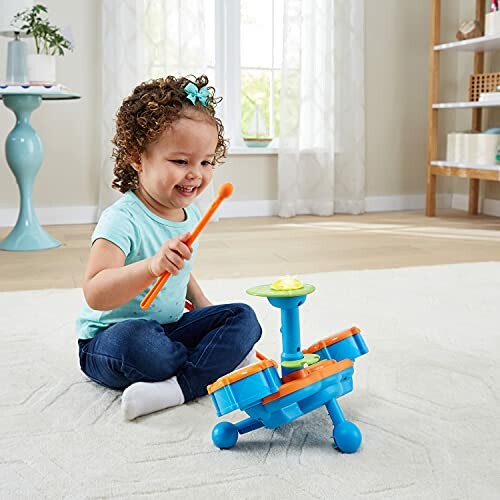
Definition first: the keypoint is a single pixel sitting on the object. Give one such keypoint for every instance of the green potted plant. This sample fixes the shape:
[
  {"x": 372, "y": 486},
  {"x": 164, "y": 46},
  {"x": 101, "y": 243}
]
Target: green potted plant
[{"x": 49, "y": 42}]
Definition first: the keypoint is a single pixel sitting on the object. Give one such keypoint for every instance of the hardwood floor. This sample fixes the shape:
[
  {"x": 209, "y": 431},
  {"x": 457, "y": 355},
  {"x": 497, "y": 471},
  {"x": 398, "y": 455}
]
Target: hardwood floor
[{"x": 273, "y": 246}]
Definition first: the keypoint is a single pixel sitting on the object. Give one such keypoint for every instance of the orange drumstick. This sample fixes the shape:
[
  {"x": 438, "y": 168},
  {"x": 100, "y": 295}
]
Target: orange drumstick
[{"x": 225, "y": 191}]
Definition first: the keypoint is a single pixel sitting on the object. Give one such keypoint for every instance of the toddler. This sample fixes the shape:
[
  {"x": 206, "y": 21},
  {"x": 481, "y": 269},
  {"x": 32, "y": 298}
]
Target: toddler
[{"x": 167, "y": 143}]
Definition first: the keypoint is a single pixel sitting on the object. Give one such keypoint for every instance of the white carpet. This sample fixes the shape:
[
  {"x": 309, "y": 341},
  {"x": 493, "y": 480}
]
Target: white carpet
[{"x": 426, "y": 399}]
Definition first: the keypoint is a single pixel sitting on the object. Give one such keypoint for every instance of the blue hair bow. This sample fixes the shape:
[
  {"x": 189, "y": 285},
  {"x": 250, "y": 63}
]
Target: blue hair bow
[{"x": 194, "y": 93}]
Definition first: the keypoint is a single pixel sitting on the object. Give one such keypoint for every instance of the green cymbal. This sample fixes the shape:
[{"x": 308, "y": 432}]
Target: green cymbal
[{"x": 269, "y": 291}]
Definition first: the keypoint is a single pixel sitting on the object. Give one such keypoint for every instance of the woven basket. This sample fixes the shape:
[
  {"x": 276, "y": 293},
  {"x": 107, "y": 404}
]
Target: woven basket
[{"x": 483, "y": 82}]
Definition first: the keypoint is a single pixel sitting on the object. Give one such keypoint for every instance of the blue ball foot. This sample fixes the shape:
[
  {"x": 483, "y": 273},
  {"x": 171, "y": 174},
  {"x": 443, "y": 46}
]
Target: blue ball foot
[
  {"x": 347, "y": 437},
  {"x": 225, "y": 435}
]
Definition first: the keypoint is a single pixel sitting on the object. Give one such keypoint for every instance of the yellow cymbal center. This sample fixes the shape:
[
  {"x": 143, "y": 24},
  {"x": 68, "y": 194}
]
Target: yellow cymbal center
[{"x": 285, "y": 284}]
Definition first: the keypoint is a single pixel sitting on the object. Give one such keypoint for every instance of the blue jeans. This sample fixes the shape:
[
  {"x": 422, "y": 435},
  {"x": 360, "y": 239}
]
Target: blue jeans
[{"x": 202, "y": 346}]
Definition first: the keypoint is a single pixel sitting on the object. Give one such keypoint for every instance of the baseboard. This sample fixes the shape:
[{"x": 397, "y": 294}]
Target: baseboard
[
  {"x": 268, "y": 208},
  {"x": 404, "y": 202},
  {"x": 49, "y": 216},
  {"x": 491, "y": 207},
  {"x": 486, "y": 207},
  {"x": 255, "y": 208},
  {"x": 460, "y": 202},
  {"x": 251, "y": 208}
]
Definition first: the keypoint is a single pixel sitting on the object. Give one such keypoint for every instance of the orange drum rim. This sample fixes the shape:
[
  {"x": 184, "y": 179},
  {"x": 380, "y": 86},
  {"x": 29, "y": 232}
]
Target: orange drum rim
[
  {"x": 318, "y": 371},
  {"x": 333, "y": 339},
  {"x": 242, "y": 373}
]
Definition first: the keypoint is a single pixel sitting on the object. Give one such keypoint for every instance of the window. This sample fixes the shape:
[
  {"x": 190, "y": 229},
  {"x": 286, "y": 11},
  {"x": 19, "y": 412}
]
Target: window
[
  {"x": 247, "y": 67},
  {"x": 241, "y": 42},
  {"x": 261, "y": 23},
  {"x": 174, "y": 32}
]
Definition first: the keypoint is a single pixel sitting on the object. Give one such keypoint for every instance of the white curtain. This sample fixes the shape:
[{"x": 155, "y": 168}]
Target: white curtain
[
  {"x": 321, "y": 161},
  {"x": 145, "y": 39}
]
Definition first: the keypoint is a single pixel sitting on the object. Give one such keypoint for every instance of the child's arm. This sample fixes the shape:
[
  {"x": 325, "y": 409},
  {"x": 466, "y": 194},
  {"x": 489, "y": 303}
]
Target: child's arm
[
  {"x": 108, "y": 283},
  {"x": 195, "y": 294}
]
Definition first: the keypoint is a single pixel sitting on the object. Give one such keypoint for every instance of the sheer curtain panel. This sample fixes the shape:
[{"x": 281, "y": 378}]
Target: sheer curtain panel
[
  {"x": 144, "y": 39},
  {"x": 321, "y": 162}
]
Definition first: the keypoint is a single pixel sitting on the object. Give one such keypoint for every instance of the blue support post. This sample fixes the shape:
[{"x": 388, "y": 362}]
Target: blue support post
[
  {"x": 247, "y": 425},
  {"x": 335, "y": 412},
  {"x": 290, "y": 329}
]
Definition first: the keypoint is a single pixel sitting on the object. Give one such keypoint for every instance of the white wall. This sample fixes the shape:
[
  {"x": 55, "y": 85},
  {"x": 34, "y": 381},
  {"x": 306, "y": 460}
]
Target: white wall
[
  {"x": 396, "y": 96},
  {"x": 397, "y": 46},
  {"x": 69, "y": 129}
]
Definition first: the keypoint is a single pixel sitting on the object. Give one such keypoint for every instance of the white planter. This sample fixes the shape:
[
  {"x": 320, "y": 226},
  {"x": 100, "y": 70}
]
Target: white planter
[{"x": 42, "y": 69}]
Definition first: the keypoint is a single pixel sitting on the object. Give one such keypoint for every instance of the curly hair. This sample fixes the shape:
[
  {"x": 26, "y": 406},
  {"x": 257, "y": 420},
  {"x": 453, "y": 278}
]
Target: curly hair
[{"x": 153, "y": 107}]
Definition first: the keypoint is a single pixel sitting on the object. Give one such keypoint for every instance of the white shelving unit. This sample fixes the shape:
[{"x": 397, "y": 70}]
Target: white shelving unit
[
  {"x": 435, "y": 167},
  {"x": 465, "y": 104},
  {"x": 480, "y": 44},
  {"x": 455, "y": 164}
]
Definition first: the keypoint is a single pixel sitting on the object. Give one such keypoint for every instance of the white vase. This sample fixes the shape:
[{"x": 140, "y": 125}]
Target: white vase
[{"x": 42, "y": 69}]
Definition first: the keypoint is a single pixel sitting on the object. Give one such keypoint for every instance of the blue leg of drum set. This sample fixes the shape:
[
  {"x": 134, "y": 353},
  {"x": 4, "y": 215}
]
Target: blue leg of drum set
[
  {"x": 248, "y": 425},
  {"x": 335, "y": 412},
  {"x": 346, "y": 435}
]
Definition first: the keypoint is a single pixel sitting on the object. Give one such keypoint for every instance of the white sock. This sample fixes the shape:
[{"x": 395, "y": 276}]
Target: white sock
[
  {"x": 142, "y": 398},
  {"x": 249, "y": 359}
]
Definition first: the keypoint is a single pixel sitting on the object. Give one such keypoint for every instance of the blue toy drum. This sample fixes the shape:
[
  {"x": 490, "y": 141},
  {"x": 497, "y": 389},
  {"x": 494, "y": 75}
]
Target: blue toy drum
[
  {"x": 348, "y": 344},
  {"x": 245, "y": 387}
]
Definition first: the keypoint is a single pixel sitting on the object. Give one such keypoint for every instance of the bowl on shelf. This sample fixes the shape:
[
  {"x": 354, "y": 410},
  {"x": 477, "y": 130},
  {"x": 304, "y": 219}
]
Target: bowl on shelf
[{"x": 257, "y": 142}]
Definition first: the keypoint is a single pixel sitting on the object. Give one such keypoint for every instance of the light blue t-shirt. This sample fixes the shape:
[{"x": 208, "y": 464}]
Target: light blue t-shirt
[{"x": 139, "y": 233}]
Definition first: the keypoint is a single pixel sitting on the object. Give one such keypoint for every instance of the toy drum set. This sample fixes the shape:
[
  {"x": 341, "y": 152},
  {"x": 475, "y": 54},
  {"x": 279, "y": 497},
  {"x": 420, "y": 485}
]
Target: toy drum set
[{"x": 310, "y": 378}]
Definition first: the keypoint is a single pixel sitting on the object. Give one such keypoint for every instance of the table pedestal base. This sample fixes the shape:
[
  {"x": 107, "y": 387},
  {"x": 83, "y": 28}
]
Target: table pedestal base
[
  {"x": 24, "y": 153},
  {"x": 28, "y": 238}
]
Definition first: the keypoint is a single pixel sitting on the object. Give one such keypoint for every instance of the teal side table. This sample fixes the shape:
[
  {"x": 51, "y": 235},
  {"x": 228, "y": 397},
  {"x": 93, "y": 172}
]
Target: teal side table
[{"x": 24, "y": 154}]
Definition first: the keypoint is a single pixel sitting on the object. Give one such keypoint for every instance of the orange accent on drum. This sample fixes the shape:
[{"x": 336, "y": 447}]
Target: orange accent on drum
[
  {"x": 233, "y": 377},
  {"x": 333, "y": 339},
  {"x": 319, "y": 371}
]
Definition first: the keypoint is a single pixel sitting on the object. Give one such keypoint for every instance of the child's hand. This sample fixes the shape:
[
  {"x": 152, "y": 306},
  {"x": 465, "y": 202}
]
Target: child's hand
[{"x": 171, "y": 256}]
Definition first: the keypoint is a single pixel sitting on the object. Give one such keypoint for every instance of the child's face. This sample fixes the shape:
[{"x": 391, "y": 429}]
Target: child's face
[{"x": 179, "y": 166}]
